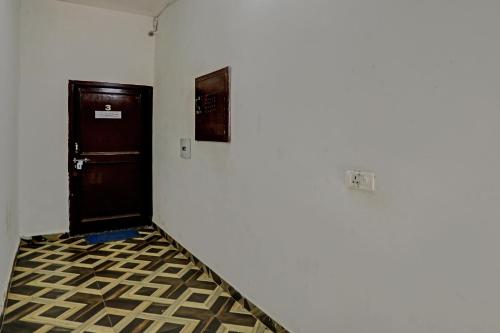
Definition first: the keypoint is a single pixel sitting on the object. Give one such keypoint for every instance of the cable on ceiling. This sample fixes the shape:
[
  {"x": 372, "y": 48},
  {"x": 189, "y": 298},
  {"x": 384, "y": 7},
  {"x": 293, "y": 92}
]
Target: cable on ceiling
[{"x": 156, "y": 19}]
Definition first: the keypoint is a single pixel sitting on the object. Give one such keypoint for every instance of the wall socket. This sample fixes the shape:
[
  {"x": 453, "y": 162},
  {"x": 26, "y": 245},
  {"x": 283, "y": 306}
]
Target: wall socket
[{"x": 360, "y": 180}]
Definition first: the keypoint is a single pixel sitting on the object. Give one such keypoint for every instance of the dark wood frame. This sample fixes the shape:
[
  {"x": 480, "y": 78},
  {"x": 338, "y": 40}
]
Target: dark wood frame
[
  {"x": 147, "y": 103},
  {"x": 200, "y": 135}
]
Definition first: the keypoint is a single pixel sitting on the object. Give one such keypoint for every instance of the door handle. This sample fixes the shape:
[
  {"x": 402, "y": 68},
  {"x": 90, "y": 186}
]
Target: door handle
[{"x": 80, "y": 162}]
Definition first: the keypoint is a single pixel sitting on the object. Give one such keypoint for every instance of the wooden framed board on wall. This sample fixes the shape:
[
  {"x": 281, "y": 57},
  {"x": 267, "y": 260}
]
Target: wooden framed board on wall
[{"x": 213, "y": 121}]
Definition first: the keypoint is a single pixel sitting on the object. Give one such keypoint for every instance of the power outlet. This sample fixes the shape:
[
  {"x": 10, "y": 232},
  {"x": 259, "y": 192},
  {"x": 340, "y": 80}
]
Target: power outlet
[{"x": 360, "y": 180}]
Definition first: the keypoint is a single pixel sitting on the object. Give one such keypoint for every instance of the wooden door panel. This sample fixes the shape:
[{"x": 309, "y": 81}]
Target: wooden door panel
[
  {"x": 110, "y": 135},
  {"x": 103, "y": 185},
  {"x": 113, "y": 187}
]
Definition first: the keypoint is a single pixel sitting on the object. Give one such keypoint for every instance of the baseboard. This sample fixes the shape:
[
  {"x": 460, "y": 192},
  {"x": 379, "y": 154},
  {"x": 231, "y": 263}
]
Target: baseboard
[
  {"x": 3, "y": 304},
  {"x": 49, "y": 233},
  {"x": 256, "y": 311}
]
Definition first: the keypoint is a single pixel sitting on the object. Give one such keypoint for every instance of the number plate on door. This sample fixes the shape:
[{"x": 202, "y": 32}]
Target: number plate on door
[{"x": 108, "y": 115}]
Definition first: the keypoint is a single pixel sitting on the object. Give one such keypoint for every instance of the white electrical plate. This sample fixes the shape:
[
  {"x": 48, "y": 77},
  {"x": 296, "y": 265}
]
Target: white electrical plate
[
  {"x": 186, "y": 149},
  {"x": 360, "y": 180}
]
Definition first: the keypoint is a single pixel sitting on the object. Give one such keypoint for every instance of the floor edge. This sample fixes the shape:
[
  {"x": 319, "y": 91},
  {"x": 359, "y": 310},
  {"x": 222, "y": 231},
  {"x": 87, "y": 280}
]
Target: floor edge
[{"x": 247, "y": 304}]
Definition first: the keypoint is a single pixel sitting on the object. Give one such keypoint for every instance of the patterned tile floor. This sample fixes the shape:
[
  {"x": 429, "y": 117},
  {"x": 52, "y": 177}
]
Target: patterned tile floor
[{"x": 138, "y": 285}]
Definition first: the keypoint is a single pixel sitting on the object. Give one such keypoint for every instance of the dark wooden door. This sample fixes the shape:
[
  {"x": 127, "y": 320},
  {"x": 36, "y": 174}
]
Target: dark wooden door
[{"x": 110, "y": 156}]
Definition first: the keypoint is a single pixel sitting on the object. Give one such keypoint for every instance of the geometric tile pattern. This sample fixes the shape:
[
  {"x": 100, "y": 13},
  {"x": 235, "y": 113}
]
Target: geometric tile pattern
[
  {"x": 246, "y": 303},
  {"x": 144, "y": 284}
]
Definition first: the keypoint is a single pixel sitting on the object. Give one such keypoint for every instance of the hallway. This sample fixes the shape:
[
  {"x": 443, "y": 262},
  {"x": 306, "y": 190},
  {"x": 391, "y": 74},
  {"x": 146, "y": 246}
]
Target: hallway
[
  {"x": 138, "y": 285},
  {"x": 324, "y": 166}
]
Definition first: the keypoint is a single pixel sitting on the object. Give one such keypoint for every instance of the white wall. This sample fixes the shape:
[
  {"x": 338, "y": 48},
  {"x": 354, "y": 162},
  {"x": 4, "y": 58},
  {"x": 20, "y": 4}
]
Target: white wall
[
  {"x": 61, "y": 42},
  {"x": 408, "y": 89},
  {"x": 9, "y": 82}
]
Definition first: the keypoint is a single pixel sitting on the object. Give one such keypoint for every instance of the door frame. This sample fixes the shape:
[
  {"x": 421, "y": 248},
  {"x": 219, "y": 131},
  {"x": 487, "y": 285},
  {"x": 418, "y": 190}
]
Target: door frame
[{"x": 147, "y": 147}]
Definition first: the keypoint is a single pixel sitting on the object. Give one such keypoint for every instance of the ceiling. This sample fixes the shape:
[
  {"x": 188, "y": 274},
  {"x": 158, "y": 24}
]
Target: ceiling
[{"x": 142, "y": 7}]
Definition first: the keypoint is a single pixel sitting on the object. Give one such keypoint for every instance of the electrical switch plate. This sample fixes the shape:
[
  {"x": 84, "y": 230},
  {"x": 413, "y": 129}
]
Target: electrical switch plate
[
  {"x": 360, "y": 180},
  {"x": 186, "y": 149}
]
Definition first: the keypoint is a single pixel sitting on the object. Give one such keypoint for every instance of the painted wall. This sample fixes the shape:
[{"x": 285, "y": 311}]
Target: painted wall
[
  {"x": 408, "y": 89},
  {"x": 61, "y": 42},
  {"x": 9, "y": 83}
]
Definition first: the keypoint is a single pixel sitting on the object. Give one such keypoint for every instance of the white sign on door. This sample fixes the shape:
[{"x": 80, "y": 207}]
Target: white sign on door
[{"x": 108, "y": 115}]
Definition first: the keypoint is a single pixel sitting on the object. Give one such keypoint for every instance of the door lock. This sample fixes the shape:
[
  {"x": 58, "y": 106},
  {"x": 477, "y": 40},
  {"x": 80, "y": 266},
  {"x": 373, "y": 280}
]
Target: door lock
[{"x": 80, "y": 162}]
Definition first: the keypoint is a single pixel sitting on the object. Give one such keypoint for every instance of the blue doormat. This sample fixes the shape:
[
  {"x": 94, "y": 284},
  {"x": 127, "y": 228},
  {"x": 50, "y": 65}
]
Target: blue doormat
[{"x": 111, "y": 236}]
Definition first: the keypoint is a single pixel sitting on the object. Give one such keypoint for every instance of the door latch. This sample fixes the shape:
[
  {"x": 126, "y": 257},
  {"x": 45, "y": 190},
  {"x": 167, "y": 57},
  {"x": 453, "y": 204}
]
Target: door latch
[{"x": 80, "y": 162}]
